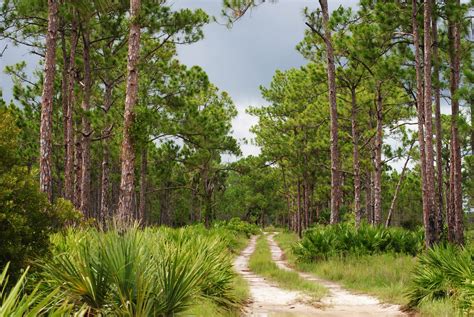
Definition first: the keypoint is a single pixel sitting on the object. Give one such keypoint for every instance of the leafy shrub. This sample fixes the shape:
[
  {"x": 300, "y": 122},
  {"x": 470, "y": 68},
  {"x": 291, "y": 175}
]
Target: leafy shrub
[
  {"x": 26, "y": 216},
  {"x": 444, "y": 272},
  {"x": 343, "y": 239},
  {"x": 133, "y": 272},
  {"x": 238, "y": 226}
]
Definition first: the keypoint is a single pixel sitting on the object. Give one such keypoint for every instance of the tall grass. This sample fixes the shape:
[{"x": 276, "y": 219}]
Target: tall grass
[
  {"x": 322, "y": 243},
  {"x": 135, "y": 272}
]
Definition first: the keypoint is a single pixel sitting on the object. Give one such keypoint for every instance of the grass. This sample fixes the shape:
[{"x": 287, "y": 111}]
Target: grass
[
  {"x": 385, "y": 276},
  {"x": 261, "y": 263},
  {"x": 204, "y": 307}
]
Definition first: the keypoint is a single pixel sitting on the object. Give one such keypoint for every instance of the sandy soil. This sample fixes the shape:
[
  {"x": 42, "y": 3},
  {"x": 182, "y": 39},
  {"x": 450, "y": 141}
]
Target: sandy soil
[
  {"x": 268, "y": 299},
  {"x": 340, "y": 302}
]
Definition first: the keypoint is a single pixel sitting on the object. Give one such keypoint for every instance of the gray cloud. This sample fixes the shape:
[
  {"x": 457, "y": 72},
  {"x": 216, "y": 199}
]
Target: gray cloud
[{"x": 240, "y": 59}]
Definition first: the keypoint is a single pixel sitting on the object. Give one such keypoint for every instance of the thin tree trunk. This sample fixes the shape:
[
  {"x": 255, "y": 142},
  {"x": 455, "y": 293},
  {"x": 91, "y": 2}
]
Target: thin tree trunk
[
  {"x": 439, "y": 137},
  {"x": 64, "y": 91},
  {"x": 454, "y": 39},
  {"x": 46, "y": 126},
  {"x": 105, "y": 181},
  {"x": 421, "y": 120},
  {"x": 335, "y": 165},
  {"x": 86, "y": 130},
  {"x": 449, "y": 202},
  {"x": 397, "y": 189},
  {"x": 298, "y": 212},
  {"x": 368, "y": 195},
  {"x": 430, "y": 224},
  {"x": 125, "y": 211},
  {"x": 78, "y": 167},
  {"x": 143, "y": 181},
  {"x": 355, "y": 158},
  {"x": 69, "y": 124},
  {"x": 378, "y": 158}
]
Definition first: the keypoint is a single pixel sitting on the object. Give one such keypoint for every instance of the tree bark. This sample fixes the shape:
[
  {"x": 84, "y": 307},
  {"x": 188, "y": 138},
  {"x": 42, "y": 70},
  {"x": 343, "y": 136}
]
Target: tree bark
[
  {"x": 439, "y": 136},
  {"x": 69, "y": 124},
  {"x": 430, "y": 223},
  {"x": 421, "y": 119},
  {"x": 454, "y": 40},
  {"x": 450, "y": 202},
  {"x": 298, "y": 212},
  {"x": 378, "y": 157},
  {"x": 355, "y": 158},
  {"x": 105, "y": 181},
  {"x": 86, "y": 130},
  {"x": 46, "y": 125},
  {"x": 143, "y": 185},
  {"x": 397, "y": 189},
  {"x": 78, "y": 168},
  {"x": 125, "y": 211},
  {"x": 64, "y": 92},
  {"x": 335, "y": 164}
]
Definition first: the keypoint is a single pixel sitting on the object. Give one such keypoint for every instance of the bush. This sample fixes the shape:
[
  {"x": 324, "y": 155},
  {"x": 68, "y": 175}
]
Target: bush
[
  {"x": 133, "y": 272},
  {"x": 238, "y": 226},
  {"x": 444, "y": 272},
  {"x": 26, "y": 216},
  {"x": 343, "y": 239}
]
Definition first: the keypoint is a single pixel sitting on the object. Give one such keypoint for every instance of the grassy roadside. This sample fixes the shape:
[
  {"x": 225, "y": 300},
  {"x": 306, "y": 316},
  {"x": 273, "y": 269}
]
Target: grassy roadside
[
  {"x": 261, "y": 263},
  {"x": 208, "y": 308},
  {"x": 241, "y": 291},
  {"x": 385, "y": 276}
]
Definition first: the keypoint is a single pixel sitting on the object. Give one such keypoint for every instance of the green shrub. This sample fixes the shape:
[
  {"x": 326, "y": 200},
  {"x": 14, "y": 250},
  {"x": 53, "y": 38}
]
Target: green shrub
[
  {"x": 133, "y": 272},
  {"x": 26, "y": 216},
  {"x": 444, "y": 272},
  {"x": 323, "y": 242},
  {"x": 238, "y": 226}
]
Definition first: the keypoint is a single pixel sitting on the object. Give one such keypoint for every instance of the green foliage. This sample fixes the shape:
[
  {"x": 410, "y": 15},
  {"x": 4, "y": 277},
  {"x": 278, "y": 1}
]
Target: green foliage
[
  {"x": 237, "y": 226},
  {"x": 14, "y": 302},
  {"x": 26, "y": 216},
  {"x": 444, "y": 272},
  {"x": 133, "y": 272},
  {"x": 344, "y": 239}
]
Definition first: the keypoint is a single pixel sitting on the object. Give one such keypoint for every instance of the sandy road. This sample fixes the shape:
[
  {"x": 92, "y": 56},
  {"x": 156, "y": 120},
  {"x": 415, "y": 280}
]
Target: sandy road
[{"x": 267, "y": 299}]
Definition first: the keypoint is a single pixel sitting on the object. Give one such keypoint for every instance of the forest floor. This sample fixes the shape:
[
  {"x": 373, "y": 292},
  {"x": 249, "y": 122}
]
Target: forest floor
[{"x": 267, "y": 299}]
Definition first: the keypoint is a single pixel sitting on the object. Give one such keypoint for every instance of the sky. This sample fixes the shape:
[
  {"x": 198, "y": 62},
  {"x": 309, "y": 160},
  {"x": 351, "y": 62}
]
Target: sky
[{"x": 240, "y": 59}]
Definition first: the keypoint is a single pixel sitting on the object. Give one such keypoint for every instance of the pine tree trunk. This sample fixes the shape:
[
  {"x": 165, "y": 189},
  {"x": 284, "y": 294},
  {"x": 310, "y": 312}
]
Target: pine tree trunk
[
  {"x": 430, "y": 222},
  {"x": 86, "y": 131},
  {"x": 355, "y": 158},
  {"x": 143, "y": 181},
  {"x": 335, "y": 164},
  {"x": 78, "y": 168},
  {"x": 454, "y": 39},
  {"x": 69, "y": 124},
  {"x": 125, "y": 211},
  {"x": 378, "y": 158},
  {"x": 64, "y": 92},
  {"x": 46, "y": 126},
  {"x": 421, "y": 120},
  {"x": 450, "y": 201},
  {"x": 439, "y": 137},
  {"x": 298, "y": 212},
  {"x": 397, "y": 189},
  {"x": 105, "y": 181}
]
